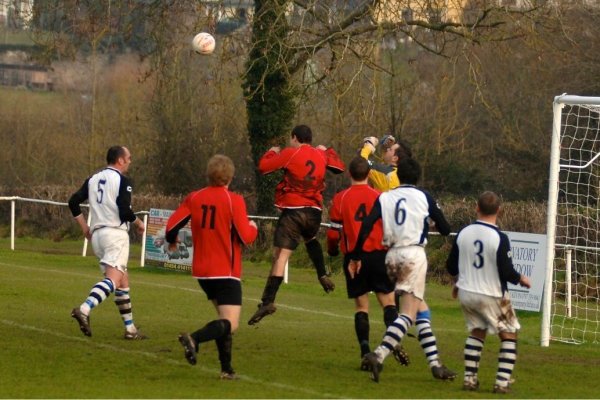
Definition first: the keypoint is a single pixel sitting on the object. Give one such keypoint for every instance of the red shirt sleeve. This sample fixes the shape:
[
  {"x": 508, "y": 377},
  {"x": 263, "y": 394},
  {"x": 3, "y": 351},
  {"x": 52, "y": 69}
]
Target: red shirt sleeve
[
  {"x": 334, "y": 162},
  {"x": 333, "y": 233},
  {"x": 178, "y": 219},
  {"x": 245, "y": 231},
  {"x": 272, "y": 161}
]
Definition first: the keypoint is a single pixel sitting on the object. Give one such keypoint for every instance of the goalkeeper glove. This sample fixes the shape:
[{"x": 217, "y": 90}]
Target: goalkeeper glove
[
  {"x": 371, "y": 142},
  {"x": 387, "y": 141}
]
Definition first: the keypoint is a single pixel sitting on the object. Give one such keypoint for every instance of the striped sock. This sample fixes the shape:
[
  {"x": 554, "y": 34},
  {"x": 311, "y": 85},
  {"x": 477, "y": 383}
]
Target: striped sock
[
  {"x": 472, "y": 354},
  {"x": 393, "y": 335},
  {"x": 98, "y": 294},
  {"x": 123, "y": 302},
  {"x": 506, "y": 361},
  {"x": 428, "y": 342}
]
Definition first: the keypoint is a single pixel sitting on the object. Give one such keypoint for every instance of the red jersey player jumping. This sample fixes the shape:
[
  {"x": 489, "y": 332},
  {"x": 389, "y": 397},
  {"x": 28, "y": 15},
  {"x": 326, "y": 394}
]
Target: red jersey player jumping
[
  {"x": 220, "y": 227},
  {"x": 299, "y": 196}
]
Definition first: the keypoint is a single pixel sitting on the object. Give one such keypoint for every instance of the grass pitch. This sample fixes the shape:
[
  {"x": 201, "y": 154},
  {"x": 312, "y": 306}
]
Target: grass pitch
[{"x": 307, "y": 349}]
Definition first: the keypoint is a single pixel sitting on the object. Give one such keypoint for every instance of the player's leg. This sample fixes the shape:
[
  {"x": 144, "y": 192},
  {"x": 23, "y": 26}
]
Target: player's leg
[
  {"x": 390, "y": 314},
  {"x": 472, "y": 356},
  {"x": 267, "y": 304},
  {"x": 393, "y": 334},
  {"x": 358, "y": 290},
  {"x": 507, "y": 358},
  {"x": 309, "y": 222},
  {"x": 123, "y": 303},
  {"x": 428, "y": 343},
  {"x": 507, "y": 325},
  {"x": 225, "y": 342},
  {"x": 218, "y": 291},
  {"x": 99, "y": 292}
]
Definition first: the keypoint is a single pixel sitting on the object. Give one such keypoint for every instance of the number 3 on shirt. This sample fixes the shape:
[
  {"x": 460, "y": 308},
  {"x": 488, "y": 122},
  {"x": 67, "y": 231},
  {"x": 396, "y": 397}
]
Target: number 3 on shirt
[{"x": 478, "y": 263}]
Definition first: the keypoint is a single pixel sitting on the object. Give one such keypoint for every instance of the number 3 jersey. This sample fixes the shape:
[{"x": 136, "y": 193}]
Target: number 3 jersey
[
  {"x": 219, "y": 228},
  {"x": 481, "y": 258},
  {"x": 405, "y": 212},
  {"x": 109, "y": 196},
  {"x": 304, "y": 168}
]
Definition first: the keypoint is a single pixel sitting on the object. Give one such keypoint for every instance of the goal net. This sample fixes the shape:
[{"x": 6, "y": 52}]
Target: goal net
[{"x": 572, "y": 292}]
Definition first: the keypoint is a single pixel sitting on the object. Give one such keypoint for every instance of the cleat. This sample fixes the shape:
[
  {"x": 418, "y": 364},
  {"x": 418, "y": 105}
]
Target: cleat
[
  {"x": 189, "y": 347},
  {"x": 327, "y": 283},
  {"x": 83, "y": 320},
  {"x": 401, "y": 355},
  {"x": 471, "y": 384},
  {"x": 228, "y": 375},
  {"x": 443, "y": 373},
  {"x": 263, "y": 311},
  {"x": 501, "y": 389},
  {"x": 137, "y": 335},
  {"x": 370, "y": 361},
  {"x": 365, "y": 366}
]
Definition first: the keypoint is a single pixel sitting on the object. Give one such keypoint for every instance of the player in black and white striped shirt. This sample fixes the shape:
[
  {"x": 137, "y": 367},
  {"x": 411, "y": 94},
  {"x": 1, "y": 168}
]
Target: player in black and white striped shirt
[
  {"x": 108, "y": 193},
  {"x": 480, "y": 261}
]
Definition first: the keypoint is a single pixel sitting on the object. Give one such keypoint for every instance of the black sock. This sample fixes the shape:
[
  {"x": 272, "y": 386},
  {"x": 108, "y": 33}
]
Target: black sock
[
  {"x": 389, "y": 315},
  {"x": 211, "y": 331},
  {"x": 361, "y": 325},
  {"x": 315, "y": 252},
  {"x": 271, "y": 289},
  {"x": 397, "y": 300},
  {"x": 224, "y": 347}
]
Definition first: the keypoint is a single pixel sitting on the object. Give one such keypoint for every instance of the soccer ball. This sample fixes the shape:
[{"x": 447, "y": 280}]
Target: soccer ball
[{"x": 203, "y": 43}]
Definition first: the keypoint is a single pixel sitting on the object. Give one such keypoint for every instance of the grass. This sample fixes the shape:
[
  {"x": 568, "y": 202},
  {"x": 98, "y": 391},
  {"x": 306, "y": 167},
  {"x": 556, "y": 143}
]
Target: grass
[{"x": 307, "y": 349}]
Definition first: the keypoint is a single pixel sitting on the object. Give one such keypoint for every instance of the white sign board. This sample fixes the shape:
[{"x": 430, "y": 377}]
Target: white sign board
[{"x": 529, "y": 258}]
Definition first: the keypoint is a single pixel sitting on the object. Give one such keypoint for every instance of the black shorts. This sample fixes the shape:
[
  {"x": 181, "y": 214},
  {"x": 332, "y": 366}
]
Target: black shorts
[
  {"x": 296, "y": 224},
  {"x": 225, "y": 291},
  {"x": 373, "y": 276}
]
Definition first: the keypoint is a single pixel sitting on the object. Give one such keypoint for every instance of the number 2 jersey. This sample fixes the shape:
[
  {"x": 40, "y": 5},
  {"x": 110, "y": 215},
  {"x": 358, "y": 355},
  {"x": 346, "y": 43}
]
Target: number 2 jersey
[
  {"x": 109, "y": 196},
  {"x": 304, "y": 168},
  {"x": 219, "y": 228},
  {"x": 348, "y": 209},
  {"x": 481, "y": 258}
]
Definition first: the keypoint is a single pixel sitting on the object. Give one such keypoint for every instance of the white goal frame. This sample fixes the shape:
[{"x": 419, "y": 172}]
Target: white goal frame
[{"x": 553, "y": 192}]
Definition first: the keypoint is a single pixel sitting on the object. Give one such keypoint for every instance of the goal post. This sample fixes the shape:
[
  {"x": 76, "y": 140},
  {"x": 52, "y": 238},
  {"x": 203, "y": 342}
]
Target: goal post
[{"x": 571, "y": 308}]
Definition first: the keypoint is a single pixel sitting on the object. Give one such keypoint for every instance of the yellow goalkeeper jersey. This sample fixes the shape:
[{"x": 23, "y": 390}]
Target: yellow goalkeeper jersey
[{"x": 382, "y": 177}]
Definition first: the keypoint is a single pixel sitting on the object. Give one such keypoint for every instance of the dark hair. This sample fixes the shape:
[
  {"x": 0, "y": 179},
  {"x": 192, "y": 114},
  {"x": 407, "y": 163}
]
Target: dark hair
[
  {"x": 408, "y": 171},
  {"x": 359, "y": 168},
  {"x": 302, "y": 133},
  {"x": 403, "y": 150},
  {"x": 113, "y": 154},
  {"x": 489, "y": 203}
]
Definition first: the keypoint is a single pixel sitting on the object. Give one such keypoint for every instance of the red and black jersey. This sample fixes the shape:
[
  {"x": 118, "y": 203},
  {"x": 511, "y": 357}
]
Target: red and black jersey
[
  {"x": 304, "y": 174},
  {"x": 219, "y": 228},
  {"x": 348, "y": 208}
]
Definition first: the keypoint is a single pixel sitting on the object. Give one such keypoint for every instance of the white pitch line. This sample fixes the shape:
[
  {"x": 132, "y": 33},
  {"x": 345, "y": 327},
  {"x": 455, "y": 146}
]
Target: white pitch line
[{"x": 105, "y": 346}]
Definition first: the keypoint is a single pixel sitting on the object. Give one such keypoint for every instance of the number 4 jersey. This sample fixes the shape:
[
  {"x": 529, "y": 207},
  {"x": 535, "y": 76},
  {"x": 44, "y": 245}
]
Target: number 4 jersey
[
  {"x": 304, "y": 174},
  {"x": 219, "y": 228}
]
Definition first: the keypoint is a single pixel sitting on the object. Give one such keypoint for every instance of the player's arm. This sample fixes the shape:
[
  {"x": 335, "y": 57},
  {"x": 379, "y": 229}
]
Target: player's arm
[
  {"x": 452, "y": 261},
  {"x": 246, "y": 229},
  {"x": 506, "y": 269},
  {"x": 74, "y": 205},
  {"x": 378, "y": 173},
  {"x": 176, "y": 221},
  {"x": 274, "y": 159},
  {"x": 333, "y": 233},
  {"x": 436, "y": 214},
  {"x": 126, "y": 214}
]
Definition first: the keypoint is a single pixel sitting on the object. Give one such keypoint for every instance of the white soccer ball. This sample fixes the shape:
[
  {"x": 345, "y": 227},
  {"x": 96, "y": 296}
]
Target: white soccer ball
[{"x": 203, "y": 43}]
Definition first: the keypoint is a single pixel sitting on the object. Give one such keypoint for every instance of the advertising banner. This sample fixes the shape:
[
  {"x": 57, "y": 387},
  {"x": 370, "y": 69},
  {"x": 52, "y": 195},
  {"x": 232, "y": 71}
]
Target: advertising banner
[{"x": 157, "y": 248}]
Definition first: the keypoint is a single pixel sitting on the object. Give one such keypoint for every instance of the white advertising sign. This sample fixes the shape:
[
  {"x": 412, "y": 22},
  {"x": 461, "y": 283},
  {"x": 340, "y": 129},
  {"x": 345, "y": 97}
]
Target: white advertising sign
[{"x": 529, "y": 258}]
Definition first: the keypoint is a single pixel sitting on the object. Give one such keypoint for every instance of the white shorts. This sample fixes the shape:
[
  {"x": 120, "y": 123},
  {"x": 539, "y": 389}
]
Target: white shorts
[
  {"x": 111, "y": 246},
  {"x": 407, "y": 266},
  {"x": 488, "y": 313}
]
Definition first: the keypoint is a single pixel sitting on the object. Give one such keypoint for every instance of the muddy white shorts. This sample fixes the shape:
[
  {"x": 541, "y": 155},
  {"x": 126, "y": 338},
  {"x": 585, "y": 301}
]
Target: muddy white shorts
[
  {"x": 488, "y": 313},
  {"x": 111, "y": 246},
  {"x": 407, "y": 266}
]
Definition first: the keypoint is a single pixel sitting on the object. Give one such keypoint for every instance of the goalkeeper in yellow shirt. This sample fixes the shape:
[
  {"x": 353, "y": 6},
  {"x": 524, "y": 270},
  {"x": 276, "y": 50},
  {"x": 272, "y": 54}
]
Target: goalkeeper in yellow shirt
[{"x": 383, "y": 177}]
